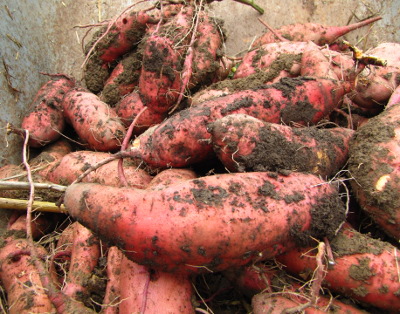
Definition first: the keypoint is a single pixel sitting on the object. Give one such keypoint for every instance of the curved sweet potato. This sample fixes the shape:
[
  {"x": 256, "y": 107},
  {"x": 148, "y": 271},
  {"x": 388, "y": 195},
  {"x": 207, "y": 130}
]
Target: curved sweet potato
[
  {"x": 93, "y": 120},
  {"x": 374, "y": 165},
  {"x": 45, "y": 122},
  {"x": 245, "y": 143},
  {"x": 74, "y": 164},
  {"x": 213, "y": 222}
]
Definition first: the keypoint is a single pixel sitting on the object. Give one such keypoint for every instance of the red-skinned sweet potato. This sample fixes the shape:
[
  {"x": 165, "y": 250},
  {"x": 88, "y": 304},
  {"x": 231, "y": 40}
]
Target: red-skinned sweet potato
[
  {"x": 376, "y": 84},
  {"x": 374, "y": 166},
  {"x": 124, "y": 34},
  {"x": 175, "y": 142},
  {"x": 123, "y": 79},
  {"x": 147, "y": 291},
  {"x": 129, "y": 107},
  {"x": 319, "y": 34},
  {"x": 45, "y": 122},
  {"x": 94, "y": 121},
  {"x": 365, "y": 269},
  {"x": 245, "y": 143},
  {"x": 74, "y": 164},
  {"x": 213, "y": 222}
]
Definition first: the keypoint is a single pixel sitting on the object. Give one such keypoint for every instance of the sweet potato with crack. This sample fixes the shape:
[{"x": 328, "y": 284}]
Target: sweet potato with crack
[
  {"x": 94, "y": 121},
  {"x": 213, "y": 222},
  {"x": 74, "y": 164},
  {"x": 374, "y": 166},
  {"x": 177, "y": 143},
  {"x": 45, "y": 122},
  {"x": 245, "y": 143},
  {"x": 365, "y": 269}
]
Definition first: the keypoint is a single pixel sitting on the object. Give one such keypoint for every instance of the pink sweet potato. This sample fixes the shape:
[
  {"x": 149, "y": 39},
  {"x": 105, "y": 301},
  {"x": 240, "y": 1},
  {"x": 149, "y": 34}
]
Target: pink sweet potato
[
  {"x": 376, "y": 84},
  {"x": 374, "y": 165},
  {"x": 176, "y": 142},
  {"x": 20, "y": 279},
  {"x": 93, "y": 120},
  {"x": 245, "y": 143},
  {"x": 170, "y": 176},
  {"x": 394, "y": 98},
  {"x": 319, "y": 34},
  {"x": 209, "y": 223},
  {"x": 74, "y": 164},
  {"x": 365, "y": 269},
  {"x": 160, "y": 79},
  {"x": 147, "y": 291},
  {"x": 276, "y": 60},
  {"x": 84, "y": 256},
  {"x": 111, "y": 42},
  {"x": 45, "y": 122},
  {"x": 123, "y": 79},
  {"x": 129, "y": 107}
]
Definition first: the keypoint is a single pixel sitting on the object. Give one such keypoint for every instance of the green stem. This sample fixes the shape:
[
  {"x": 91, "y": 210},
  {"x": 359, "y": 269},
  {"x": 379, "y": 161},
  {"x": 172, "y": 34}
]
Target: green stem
[{"x": 252, "y": 4}]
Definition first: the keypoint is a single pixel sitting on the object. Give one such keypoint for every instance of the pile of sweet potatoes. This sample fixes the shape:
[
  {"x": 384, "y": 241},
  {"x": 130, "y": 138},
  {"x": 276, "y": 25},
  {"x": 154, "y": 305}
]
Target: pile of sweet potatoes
[{"x": 194, "y": 183}]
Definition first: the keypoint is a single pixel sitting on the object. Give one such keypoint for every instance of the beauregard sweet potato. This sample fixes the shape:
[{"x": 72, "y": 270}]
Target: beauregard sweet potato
[
  {"x": 374, "y": 167},
  {"x": 74, "y": 164},
  {"x": 45, "y": 122},
  {"x": 319, "y": 34},
  {"x": 213, "y": 222},
  {"x": 245, "y": 143},
  {"x": 365, "y": 269},
  {"x": 177, "y": 143},
  {"x": 93, "y": 120}
]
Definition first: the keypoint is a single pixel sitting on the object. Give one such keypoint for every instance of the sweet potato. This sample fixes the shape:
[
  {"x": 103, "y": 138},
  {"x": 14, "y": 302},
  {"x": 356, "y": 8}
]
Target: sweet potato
[
  {"x": 146, "y": 291},
  {"x": 276, "y": 60},
  {"x": 52, "y": 154},
  {"x": 175, "y": 142},
  {"x": 20, "y": 279},
  {"x": 73, "y": 164},
  {"x": 160, "y": 79},
  {"x": 245, "y": 143},
  {"x": 394, "y": 98},
  {"x": 45, "y": 122},
  {"x": 170, "y": 176},
  {"x": 365, "y": 269},
  {"x": 111, "y": 42},
  {"x": 93, "y": 120},
  {"x": 374, "y": 166},
  {"x": 123, "y": 79},
  {"x": 205, "y": 51},
  {"x": 129, "y": 107},
  {"x": 85, "y": 253},
  {"x": 113, "y": 292},
  {"x": 376, "y": 84},
  {"x": 319, "y": 34},
  {"x": 213, "y": 222}
]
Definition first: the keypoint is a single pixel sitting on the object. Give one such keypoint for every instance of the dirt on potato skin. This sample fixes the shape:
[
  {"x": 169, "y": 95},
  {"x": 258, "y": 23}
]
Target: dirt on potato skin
[{"x": 373, "y": 155}]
